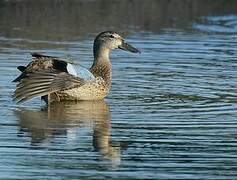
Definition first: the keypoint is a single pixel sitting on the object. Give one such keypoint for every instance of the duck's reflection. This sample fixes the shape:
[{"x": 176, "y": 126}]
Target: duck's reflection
[{"x": 68, "y": 118}]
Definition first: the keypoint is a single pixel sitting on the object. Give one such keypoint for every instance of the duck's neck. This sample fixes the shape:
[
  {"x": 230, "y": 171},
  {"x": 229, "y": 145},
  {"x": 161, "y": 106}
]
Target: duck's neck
[{"x": 102, "y": 66}]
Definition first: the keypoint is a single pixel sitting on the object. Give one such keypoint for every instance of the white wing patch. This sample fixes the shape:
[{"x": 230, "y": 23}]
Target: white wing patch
[
  {"x": 71, "y": 70},
  {"x": 80, "y": 71}
]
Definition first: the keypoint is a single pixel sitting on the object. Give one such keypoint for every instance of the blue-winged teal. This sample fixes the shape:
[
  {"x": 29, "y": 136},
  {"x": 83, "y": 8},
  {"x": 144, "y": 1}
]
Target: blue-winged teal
[{"x": 55, "y": 79}]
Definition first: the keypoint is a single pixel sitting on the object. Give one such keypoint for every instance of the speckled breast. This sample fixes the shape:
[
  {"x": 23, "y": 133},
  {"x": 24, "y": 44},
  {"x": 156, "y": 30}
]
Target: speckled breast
[{"x": 95, "y": 90}]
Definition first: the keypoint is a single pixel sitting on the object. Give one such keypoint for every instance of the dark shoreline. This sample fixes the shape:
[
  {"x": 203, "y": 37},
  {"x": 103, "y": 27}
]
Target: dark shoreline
[{"x": 70, "y": 19}]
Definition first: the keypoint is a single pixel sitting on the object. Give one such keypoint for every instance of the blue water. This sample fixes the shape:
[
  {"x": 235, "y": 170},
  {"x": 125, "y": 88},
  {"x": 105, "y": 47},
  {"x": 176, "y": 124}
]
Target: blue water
[{"x": 171, "y": 113}]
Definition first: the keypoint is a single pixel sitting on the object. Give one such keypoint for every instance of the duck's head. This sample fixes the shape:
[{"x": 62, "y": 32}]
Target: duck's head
[{"x": 112, "y": 40}]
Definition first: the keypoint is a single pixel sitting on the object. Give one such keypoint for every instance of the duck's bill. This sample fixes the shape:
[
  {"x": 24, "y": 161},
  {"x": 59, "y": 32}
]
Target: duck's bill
[{"x": 127, "y": 47}]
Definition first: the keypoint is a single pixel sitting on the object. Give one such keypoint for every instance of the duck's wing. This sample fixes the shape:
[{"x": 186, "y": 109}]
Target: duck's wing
[
  {"x": 48, "y": 74},
  {"x": 42, "y": 62},
  {"x": 79, "y": 71},
  {"x": 44, "y": 82}
]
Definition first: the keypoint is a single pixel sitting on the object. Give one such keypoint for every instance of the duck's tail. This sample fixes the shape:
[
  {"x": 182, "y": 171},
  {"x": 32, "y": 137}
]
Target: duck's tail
[{"x": 22, "y": 75}]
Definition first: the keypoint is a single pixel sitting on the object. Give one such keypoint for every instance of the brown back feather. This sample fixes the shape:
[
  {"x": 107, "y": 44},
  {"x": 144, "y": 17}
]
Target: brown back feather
[{"x": 44, "y": 82}]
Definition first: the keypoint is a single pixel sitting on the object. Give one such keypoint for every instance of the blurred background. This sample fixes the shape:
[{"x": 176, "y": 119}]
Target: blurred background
[{"x": 75, "y": 19}]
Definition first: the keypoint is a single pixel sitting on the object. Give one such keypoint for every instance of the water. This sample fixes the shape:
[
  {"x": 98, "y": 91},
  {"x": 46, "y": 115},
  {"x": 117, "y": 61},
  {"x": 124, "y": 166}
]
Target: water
[{"x": 171, "y": 113}]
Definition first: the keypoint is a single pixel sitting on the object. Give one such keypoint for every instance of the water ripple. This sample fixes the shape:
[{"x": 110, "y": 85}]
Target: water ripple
[
  {"x": 218, "y": 24},
  {"x": 171, "y": 112}
]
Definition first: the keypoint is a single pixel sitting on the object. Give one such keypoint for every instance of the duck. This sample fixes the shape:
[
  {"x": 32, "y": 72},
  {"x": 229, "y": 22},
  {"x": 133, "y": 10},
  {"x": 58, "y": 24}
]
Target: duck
[{"x": 56, "y": 79}]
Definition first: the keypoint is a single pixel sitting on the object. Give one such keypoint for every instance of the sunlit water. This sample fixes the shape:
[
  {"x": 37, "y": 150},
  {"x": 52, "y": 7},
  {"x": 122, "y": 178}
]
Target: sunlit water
[{"x": 171, "y": 112}]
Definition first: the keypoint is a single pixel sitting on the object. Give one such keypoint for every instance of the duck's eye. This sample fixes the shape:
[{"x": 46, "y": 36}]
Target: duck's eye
[{"x": 111, "y": 36}]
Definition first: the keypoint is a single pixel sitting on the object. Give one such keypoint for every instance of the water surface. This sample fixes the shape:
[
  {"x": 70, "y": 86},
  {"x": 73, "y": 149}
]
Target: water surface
[{"x": 171, "y": 113}]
